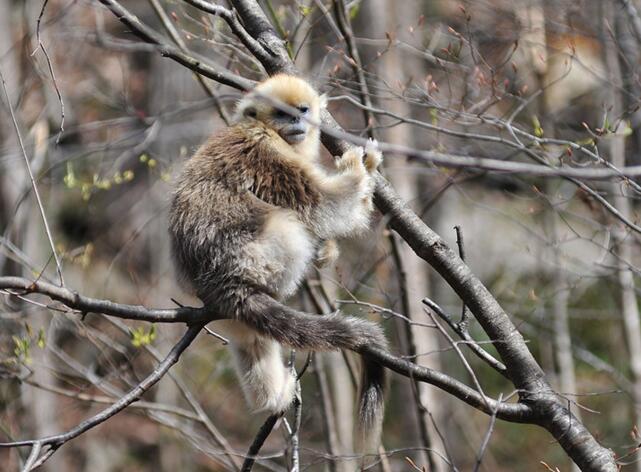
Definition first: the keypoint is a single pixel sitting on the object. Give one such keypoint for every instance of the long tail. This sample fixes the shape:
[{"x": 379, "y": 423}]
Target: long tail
[
  {"x": 327, "y": 333},
  {"x": 371, "y": 405}
]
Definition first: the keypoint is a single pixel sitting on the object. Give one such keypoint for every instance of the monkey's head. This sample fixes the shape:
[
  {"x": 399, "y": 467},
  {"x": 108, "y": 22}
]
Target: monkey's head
[{"x": 293, "y": 122}]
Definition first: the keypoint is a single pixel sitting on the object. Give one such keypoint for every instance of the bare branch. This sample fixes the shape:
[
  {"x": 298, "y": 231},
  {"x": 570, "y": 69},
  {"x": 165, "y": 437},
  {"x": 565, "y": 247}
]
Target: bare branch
[
  {"x": 33, "y": 182},
  {"x": 461, "y": 330},
  {"x": 50, "y": 66},
  {"x": 55, "y": 441},
  {"x": 259, "y": 440},
  {"x": 85, "y": 304},
  {"x": 196, "y": 64},
  {"x": 486, "y": 440},
  {"x": 232, "y": 20}
]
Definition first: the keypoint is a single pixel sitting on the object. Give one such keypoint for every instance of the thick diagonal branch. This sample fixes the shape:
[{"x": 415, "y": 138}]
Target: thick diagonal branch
[{"x": 526, "y": 375}]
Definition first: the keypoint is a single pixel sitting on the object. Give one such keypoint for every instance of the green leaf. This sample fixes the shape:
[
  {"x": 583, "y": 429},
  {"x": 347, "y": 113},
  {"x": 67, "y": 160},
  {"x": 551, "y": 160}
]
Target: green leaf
[
  {"x": 141, "y": 337},
  {"x": 353, "y": 12},
  {"x": 538, "y": 130},
  {"x": 41, "y": 341},
  {"x": 70, "y": 178}
]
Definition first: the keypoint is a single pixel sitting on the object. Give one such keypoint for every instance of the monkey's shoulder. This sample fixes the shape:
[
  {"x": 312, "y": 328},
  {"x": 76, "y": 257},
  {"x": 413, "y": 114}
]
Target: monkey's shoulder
[
  {"x": 255, "y": 159},
  {"x": 282, "y": 177}
]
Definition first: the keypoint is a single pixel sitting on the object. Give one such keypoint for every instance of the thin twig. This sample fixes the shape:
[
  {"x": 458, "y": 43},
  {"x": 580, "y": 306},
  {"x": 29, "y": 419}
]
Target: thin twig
[
  {"x": 33, "y": 457},
  {"x": 213, "y": 333},
  {"x": 55, "y": 441},
  {"x": 327, "y": 407},
  {"x": 486, "y": 439},
  {"x": 461, "y": 252},
  {"x": 466, "y": 364},
  {"x": 465, "y": 335},
  {"x": 50, "y": 66},
  {"x": 298, "y": 415},
  {"x": 111, "y": 400},
  {"x": 342, "y": 20},
  {"x": 178, "y": 40},
  {"x": 422, "y": 413},
  {"x": 33, "y": 181},
  {"x": 258, "y": 442}
]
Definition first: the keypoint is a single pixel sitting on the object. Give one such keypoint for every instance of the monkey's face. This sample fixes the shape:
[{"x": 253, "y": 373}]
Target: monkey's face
[
  {"x": 292, "y": 127},
  {"x": 286, "y": 104}
]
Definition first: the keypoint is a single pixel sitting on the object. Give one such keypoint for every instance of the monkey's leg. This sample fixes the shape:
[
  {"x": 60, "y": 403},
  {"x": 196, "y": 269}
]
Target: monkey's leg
[
  {"x": 327, "y": 253},
  {"x": 268, "y": 384}
]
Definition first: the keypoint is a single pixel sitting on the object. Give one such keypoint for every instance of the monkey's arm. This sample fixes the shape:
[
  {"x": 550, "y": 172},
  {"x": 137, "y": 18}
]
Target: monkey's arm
[{"x": 346, "y": 202}]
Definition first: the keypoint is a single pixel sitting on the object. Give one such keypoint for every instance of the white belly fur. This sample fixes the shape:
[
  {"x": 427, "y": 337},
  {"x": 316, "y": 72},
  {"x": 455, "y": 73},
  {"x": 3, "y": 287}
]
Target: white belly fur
[{"x": 281, "y": 255}]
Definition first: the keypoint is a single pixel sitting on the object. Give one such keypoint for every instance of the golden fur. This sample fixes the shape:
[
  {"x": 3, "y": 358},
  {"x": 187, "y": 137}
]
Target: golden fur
[{"x": 252, "y": 210}]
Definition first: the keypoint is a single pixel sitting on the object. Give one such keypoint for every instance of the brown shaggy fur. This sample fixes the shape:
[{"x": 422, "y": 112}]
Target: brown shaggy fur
[{"x": 249, "y": 214}]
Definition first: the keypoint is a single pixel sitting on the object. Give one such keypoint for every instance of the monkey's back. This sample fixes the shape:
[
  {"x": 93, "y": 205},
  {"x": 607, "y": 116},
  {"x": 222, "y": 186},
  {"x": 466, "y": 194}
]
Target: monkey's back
[{"x": 212, "y": 217}]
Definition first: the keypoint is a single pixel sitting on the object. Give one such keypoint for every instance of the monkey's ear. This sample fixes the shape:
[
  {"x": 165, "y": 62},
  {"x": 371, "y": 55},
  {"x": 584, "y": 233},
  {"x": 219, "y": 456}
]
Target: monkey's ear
[
  {"x": 322, "y": 101},
  {"x": 250, "y": 112}
]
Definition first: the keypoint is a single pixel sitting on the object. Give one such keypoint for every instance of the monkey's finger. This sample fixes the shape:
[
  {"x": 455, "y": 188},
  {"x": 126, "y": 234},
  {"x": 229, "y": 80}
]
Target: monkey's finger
[{"x": 371, "y": 146}]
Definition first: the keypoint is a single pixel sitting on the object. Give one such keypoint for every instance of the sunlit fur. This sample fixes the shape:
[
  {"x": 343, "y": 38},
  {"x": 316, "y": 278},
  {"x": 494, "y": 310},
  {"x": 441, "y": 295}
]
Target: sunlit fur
[
  {"x": 249, "y": 216},
  {"x": 291, "y": 91}
]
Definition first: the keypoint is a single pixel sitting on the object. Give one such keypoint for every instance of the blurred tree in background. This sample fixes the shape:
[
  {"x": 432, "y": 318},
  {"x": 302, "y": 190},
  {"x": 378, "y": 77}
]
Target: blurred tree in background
[{"x": 510, "y": 128}]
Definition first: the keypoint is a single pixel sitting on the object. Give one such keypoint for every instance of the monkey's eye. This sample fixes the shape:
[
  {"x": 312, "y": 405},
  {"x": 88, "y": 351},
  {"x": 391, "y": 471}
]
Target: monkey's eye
[
  {"x": 280, "y": 114},
  {"x": 303, "y": 109}
]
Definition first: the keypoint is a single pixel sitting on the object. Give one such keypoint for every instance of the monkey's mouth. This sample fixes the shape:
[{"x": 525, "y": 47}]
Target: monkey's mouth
[{"x": 294, "y": 136}]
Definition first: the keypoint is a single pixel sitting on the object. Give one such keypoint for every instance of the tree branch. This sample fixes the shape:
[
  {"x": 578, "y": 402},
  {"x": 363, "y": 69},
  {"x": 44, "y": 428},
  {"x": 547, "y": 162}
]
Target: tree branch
[
  {"x": 231, "y": 19},
  {"x": 259, "y": 440},
  {"x": 73, "y": 300},
  {"x": 54, "y": 442},
  {"x": 526, "y": 375},
  {"x": 150, "y": 36},
  {"x": 83, "y": 304}
]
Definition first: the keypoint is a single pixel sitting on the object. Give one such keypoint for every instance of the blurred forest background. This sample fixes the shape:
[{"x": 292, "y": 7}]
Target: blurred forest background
[{"x": 523, "y": 81}]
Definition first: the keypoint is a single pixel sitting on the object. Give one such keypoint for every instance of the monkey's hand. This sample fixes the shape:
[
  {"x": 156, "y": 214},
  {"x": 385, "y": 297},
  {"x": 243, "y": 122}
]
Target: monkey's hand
[
  {"x": 352, "y": 160},
  {"x": 347, "y": 195},
  {"x": 327, "y": 253},
  {"x": 373, "y": 156}
]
